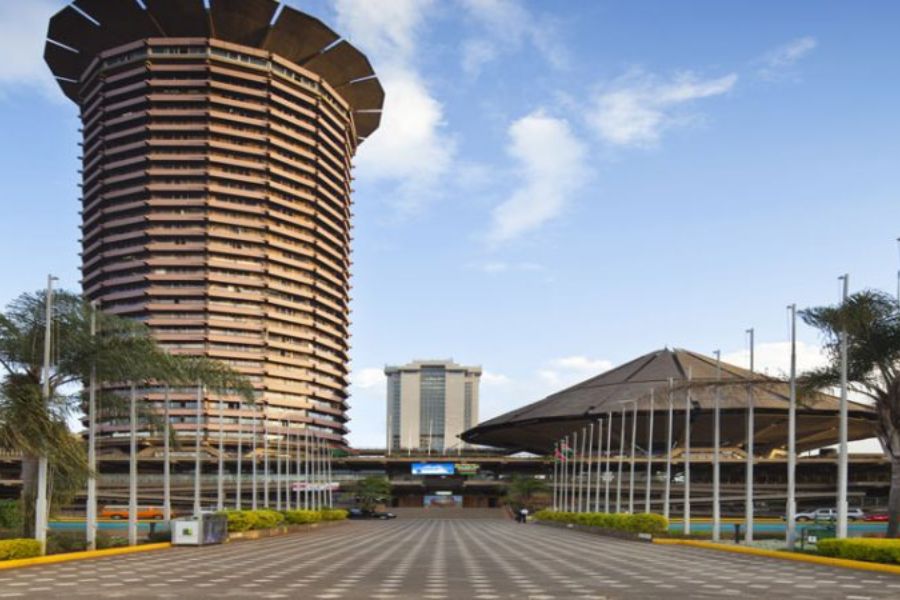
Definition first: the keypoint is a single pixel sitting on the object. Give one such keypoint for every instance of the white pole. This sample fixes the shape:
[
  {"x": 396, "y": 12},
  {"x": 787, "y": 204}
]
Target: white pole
[
  {"x": 328, "y": 462},
  {"x": 266, "y": 471},
  {"x": 91, "y": 516},
  {"x": 167, "y": 467},
  {"x": 581, "y": 472},
  {"x": 649, "y": 455},
  {"x": 238, "y": 481},
  {"x": 564, "y": 492},
  {"x": 297, "y": 478},
  {"x": 198, "y": 466},
  {"x": 306, "y": 465},
  {"x": 608, "y": 462},
  {"x": 842, "y": 447},
  {"x": 687, "y": 456},
  {"x": 751, "y": 421},
  {"x": 41, "y": 505},
  {"x": 278, "y": 470},
  {"x": 574, "y": 483},
  {"x": 555, "y": 476},
  {"x": 587, "y": 485},
  {"x": 220, "y": 483},
  {"x": 254, "y": 487},
  {"x": 792, "y": 437},
  {"x": 667, "y": 490},
  {"x": 287, "y": 467},
  {"x": 132, "y": 470},
  {"x": 599, "y": 459},
  {"x": 634, "y": 418},
  {"x": 621, "y": 456},
  {"x": 717, "y": 512}
]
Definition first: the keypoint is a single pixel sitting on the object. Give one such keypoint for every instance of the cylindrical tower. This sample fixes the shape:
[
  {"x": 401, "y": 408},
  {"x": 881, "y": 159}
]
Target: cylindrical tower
[{"x": 217, "y": 145}]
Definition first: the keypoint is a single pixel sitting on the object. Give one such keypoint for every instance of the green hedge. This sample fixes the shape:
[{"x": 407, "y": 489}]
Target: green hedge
[
  {"x": 246, "y": 520},
  {"x": 637, "y": 523},
  {"x": 869, "y": 549},
  {"x": 19, "y": 548}
]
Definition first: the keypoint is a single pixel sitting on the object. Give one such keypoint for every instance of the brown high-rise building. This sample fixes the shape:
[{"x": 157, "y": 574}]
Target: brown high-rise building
[{"x": 217, "y": 145}]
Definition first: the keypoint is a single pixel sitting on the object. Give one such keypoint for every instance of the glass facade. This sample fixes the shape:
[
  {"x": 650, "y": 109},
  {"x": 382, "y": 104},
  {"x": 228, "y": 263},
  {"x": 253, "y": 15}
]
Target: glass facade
[{"x": 433, "y": 394}]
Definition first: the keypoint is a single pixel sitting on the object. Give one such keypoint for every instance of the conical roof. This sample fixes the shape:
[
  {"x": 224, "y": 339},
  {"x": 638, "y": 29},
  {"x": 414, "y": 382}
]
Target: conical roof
[{"x": 656, "y": 376}]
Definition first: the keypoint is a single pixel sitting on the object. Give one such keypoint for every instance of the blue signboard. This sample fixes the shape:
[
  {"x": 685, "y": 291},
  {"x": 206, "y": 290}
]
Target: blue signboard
[{"x": 433, "y": 469}]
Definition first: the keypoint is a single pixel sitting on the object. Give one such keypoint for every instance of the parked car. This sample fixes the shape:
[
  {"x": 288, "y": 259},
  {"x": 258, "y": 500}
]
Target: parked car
[
  {"x": 876, "y": 516},
  {"x": 829, "y": 514},
  {"x": 118, "y": 512},
  {"x": 361, "y": 513}
]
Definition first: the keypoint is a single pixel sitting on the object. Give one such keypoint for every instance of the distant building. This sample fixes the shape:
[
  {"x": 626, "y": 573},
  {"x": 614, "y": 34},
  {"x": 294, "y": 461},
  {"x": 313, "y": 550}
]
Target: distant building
[{"x": 429, "y": 403}]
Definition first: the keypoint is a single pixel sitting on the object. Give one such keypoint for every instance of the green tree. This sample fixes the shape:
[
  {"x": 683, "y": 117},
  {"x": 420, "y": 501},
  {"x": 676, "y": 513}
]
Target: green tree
[
  {"x": 371, "y": 491},
  {"x": 524, "y": 491},
  {"x": 872, "y": 322},
  {"x": 122, "y": 351}
]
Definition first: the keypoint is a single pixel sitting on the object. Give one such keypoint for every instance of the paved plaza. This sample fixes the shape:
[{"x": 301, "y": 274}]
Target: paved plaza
[{"x": 437, "y": 559}]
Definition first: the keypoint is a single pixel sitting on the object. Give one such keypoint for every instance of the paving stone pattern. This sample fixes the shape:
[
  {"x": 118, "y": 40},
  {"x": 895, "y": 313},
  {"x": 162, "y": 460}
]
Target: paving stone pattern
[{"x": 442, "y": 559}]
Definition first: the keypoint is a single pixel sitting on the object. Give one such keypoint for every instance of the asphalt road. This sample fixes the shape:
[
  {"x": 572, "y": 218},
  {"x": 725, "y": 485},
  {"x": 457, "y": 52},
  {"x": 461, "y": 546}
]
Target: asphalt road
[{"x": 438, "y": 559}]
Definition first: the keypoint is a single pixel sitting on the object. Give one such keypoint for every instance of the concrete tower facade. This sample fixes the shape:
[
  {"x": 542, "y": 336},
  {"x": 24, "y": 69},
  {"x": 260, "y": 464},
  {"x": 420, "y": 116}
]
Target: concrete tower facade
[
  {"x": 216, "y": 194},
  {"x": 430, "y": 403}
]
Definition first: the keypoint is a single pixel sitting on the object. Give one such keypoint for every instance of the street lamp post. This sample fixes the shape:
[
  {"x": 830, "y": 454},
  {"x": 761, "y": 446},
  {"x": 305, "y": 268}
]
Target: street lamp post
[
  {"x": 717, "y": 508},
  {"x": 649, "y": 455},
  {"x": 132, "y": 469},
  {"x": 687, "y": 455},
  {"x": 792, "y": 437},
  {"x": 91, "y": 508},
  {"x": 748, "y": 501},
  {"x": 842, "y": 448},
  {"x": 41, "y": 507},
  {"x": 667, "y": 489}
]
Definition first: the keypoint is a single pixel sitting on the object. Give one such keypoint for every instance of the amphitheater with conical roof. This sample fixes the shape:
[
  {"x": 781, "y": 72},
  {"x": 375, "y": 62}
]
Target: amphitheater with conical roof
[{"x": 654, "y": 381}]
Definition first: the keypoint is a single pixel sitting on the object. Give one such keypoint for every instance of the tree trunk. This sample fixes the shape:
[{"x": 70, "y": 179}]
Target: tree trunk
[
  {"x": 29, "y": 489},
  {"x": 893, "y": 529}
]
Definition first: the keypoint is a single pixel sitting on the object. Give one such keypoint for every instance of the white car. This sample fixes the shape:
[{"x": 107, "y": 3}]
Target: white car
[{"x": 829, "y": 514}]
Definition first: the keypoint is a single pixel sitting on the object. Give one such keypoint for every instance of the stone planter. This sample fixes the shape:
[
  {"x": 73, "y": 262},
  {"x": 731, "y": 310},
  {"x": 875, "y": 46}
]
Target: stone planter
[{"x": 604, "y": 531}]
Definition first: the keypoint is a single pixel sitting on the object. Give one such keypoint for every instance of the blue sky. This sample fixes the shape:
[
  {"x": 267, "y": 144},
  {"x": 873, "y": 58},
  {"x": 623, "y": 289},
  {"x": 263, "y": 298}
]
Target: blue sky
[{"x": 558, "y": 187}]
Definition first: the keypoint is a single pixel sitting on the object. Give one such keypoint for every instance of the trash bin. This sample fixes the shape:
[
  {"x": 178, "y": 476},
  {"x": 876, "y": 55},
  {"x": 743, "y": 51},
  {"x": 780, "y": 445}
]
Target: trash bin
[{"x": 200, "y": 530}]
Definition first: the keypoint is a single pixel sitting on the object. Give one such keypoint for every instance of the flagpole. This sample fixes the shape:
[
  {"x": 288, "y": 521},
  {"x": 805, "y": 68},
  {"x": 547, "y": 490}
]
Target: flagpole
[
  {"x": 198, "y": 466},
  {"x": 254, "y": 488},
  {"x": 574, "y": 482},
  {"x": 599, "y": 459},
  {"x": 649, "y": 455},
  {"x": 581, "y": 472},
  {"x": 266, "y": 473},
  {"x": 687, "y": 456},
  {"x": 238, "y": 482},
  {"x": 634, "y": 417},
  {"x": 564, "y": 496},
  {"x": 555, "y": 475},
  {"x": 621, "y": 456},
  {"x": 717, "y": 509},
  {"x": 748, "y": 501},
  {"x": 608, "y": 462},
  {"x": 587, "y": 485},
  {"x": 220, "y": 483},
  {"x": 132, "y": 470},
  {"x": 792, "y": 437},
  {"x": 842, "y": 428},
  {"x": 667, "y": 490},
  {"x": 167, "y": 466}
]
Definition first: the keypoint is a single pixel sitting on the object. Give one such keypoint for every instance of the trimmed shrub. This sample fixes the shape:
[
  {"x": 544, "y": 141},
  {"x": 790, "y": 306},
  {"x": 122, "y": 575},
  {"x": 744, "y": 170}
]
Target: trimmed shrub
[
  {"x": 267, "y": 519},
  {"x": 19, "y": 548},
  {"x": 245, "y": 520},
  {"x": 62, "y": 542},
  {"x": 10, "y": 514},
  {"x": 868, "y": 549},
  {"x": 638, "y": 523},
  {"x": 333, "y": 514},
  {"x": 301, "y": 517}
]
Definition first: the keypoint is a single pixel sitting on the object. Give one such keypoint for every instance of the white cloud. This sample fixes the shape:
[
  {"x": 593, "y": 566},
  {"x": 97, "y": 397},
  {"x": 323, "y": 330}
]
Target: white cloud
[
  {"x": 552, "y": 167},
  {"x": 779, "y": 60},
  {"x": 774, "y": 358},
  {"x": 412, "y": 148},
  {"x": 506, "y": 26},
  {"x": 368, "y": 378},
  {"x": 489, "y": 378},
  {"x": 566, "y": 371},
  {"x": 23, "y": 31},
  {"x": 492, "y": 267},
  {"x": 635, "y": 109}
]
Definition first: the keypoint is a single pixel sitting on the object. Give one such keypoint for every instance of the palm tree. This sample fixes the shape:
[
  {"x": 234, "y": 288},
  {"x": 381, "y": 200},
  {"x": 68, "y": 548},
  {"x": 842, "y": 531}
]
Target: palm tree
[
  {"x": 123, "y": 351},
  {"x": 872, "y": 322},
  {"x": 372, "y": 490}
]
